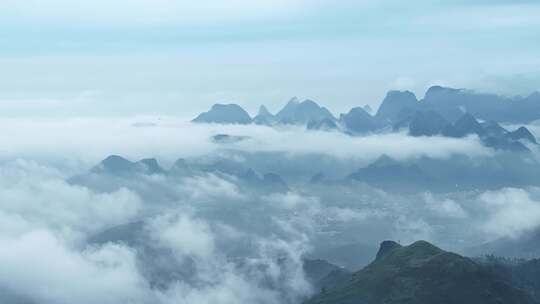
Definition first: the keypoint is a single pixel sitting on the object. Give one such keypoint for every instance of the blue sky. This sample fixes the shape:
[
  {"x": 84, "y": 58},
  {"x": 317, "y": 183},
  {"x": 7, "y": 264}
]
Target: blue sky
[{"x": 60, "y": 57}]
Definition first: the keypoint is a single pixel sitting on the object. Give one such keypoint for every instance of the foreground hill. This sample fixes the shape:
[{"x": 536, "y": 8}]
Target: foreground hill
[{"x": 422, "y": 273}]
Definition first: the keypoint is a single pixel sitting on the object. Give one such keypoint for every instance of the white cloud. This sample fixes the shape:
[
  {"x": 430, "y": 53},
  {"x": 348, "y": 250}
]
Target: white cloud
[
  {"x": 510, "y": 212},
  {"x": 41, "y": 267},
  {"x": 40, "y": 196},
  {"x": 186, "y": 236},
  {"x": 444, "y": 207},
  {"x": 93, "y": 139},
  {"x": 210, "y": 186}
]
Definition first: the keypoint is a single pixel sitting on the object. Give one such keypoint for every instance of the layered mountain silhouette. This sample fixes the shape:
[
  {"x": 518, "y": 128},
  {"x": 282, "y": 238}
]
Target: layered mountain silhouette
[
  {"x": 304, "y": 112},
  {"x": 264, "y": 117},
  {"x": 224, "y": 114},
  {"x": 431, "y": 123},
  {"x": 126, "y": 173},
  {"x": 422, "y": 273},
  {"x": 358, "y": 121},
  {"x": 442, "y": 112},
  {"x": 457, "y": 173},
  {"x": 387, "y": 173},
  {"x": 525, "y": 246},
  {"x": 117, "y": 165},
  {"x": 396, "y": 106}
]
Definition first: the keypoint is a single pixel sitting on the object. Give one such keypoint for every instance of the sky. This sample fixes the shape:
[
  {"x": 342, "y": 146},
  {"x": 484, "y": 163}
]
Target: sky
[{"x": 178, "y": 57}]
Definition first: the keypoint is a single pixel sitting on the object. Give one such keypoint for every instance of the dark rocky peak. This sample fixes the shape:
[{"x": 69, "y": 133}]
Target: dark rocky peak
[
  {"x": 505, "y": 143},
  {"x": 149, "y": 166},
  {"x": 396, "y": 104},
  {"x": 441, "y": 94},
  {"x": 358, "y": 121},
  {"x": 264, "y": 117},
  {"x": 427, "y": 123},
  {"x": 180, "y": 165},
  {"x": 522, "y": 133},
  {"x": 263, "y": 111},
  {"x": 114, "y": 163},
  {"x": 289, "y": 108},
  {"x": 387, "y": 247},
  {"x": 422, "y": 273},
  {"x": 302, "y": 113},
  {"x": 311, "y": 109},
  {"x": 368, "y": 109},
  {"x": 492, "y": 128},
  {"x": 466, "y": 125},
  {"x": 224, "y": 114},
  {"x": 325, "y": 124},
  {"x": 118, "y": 165}
]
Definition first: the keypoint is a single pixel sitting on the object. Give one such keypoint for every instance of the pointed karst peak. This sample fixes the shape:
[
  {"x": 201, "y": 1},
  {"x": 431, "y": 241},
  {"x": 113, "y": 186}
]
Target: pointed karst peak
[
  {"x": 150, "y": 166},
  {"x": 293, "y": 100},
  {"x": 224, "y": 114},
  {"x": 309, "y": 103},
  {"x": 534, "y": 95},
  {"x": 397, "y": 105},
  {"x": 427, "y": 123},
  {"x": 302, "y": 113},
  {"x": 114, "y": 159},
  {"x": 438, "y": 92},
  {"x": 464, "y": 126},
  {"x": 523, "y": 133},
  {"x": 263, "y": 111},
  {"x": 468, "y": 121},
  {"x": 264, "y": 117},
  {"x": 114, "y": 163},
  {"x": 400, "y": 95},
  {"x": 368, "y": 109},
  {"x": 387, "y": 247},
  {"x": 358, "y": 121}
]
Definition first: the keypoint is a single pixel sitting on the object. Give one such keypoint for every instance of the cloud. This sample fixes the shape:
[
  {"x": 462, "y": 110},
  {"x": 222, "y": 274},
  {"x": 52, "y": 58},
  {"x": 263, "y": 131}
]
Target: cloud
[
  {"x": 91, "y": 139},
  {"x": 40, "y": 196},
  {"x": 444, "y": 207},
  {"x": 210, "y": 186},
  {"x": 510, "y": 212},
  {"x": 45, "y": 263},
  {"x": 186, "y": 236},
  {"x": 219, "y": 242},
  {"x": 42, "y": 268}
]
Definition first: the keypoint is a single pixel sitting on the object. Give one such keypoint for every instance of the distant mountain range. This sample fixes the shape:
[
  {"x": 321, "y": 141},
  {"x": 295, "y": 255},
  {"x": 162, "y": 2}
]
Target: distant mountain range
[
  {"x": 449, "y": 103},
  {"x": 526, "y": 246},
  {"x": 443, "y": 112},
  {"x": 422, "y": 273},
  {"x": 456, "y": 173},
  {"x": 124, "y": 170}
]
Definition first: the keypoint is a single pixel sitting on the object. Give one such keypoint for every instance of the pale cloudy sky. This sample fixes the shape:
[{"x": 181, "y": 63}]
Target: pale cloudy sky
[{"x": 60, "y": 57}]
